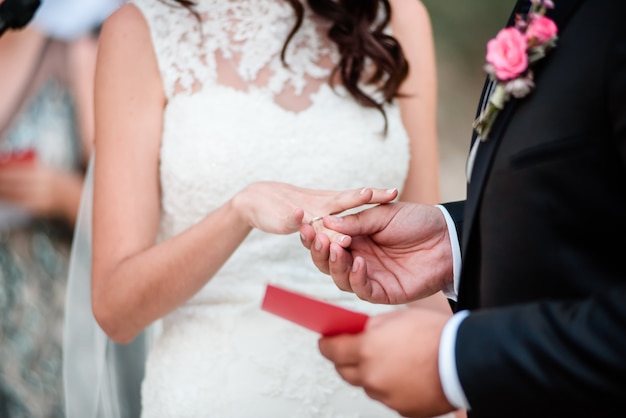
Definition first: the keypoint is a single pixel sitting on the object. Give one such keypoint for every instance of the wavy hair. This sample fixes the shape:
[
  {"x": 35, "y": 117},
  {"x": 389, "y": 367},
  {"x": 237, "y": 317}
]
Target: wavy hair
[{"x": 358, "y": 30}]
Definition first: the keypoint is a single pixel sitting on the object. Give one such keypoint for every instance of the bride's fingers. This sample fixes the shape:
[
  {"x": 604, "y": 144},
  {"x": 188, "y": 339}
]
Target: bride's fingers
[
  {"x": 294, "y": 219},
  {"x": 355, "y": 198},
  {"x": 383, "y": 195},
  {"x": 333, "y": 236}
]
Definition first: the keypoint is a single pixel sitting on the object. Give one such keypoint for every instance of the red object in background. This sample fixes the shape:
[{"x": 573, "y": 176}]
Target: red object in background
[
  {"x": 25, "y": 156},
  {"x": 316, "y": 315}
]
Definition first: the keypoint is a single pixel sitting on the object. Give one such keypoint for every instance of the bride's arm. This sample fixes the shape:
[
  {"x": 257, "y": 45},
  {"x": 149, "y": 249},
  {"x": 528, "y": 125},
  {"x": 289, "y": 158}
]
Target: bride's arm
[
  {"x": 134, "y": 280},
  {"x": 411, "y": 26}
]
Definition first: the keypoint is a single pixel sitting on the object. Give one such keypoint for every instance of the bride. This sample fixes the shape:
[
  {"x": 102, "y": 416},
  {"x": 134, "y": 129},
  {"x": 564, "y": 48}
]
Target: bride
[{"x": 218, "y": 123}]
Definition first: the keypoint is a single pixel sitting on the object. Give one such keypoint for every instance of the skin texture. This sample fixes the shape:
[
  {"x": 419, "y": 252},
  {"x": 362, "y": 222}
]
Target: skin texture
[
  {"x": 377, "y": 252},
  {"x": 382, "y": 360}
]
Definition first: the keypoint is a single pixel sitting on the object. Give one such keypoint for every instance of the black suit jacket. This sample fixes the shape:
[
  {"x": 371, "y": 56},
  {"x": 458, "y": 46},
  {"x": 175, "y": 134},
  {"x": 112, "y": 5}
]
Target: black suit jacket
[{"x": 544, "y": 262}]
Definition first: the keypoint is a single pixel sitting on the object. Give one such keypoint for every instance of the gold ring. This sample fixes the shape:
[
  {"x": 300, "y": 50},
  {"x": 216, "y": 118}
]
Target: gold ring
[{"x": 317, "y": 218}]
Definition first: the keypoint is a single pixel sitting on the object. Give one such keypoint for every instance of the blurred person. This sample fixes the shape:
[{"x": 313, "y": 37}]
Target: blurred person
[
  {"x": 206, "y": 112},
  {"x": 46, "y": 133}
]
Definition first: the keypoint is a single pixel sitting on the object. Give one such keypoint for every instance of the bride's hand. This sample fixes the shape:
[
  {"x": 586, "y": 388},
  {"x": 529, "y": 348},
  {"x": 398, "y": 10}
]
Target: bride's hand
[{"x": 281, "y": 208}]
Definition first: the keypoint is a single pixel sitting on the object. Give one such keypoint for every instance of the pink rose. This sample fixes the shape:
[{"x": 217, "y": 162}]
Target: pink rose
[
  {"x": 507, "y": 54},
  {"x": 540, "y": 30}
]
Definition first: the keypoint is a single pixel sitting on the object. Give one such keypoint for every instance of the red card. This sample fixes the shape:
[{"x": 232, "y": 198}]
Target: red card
[
  {"x": 17, "y": 157},
  {"x": 316, "y": 315}
]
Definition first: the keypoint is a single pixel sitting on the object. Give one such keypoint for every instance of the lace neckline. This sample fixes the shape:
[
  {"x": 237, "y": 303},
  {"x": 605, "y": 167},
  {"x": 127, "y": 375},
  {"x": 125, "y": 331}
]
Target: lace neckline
[{"x": 237, "y": 43}]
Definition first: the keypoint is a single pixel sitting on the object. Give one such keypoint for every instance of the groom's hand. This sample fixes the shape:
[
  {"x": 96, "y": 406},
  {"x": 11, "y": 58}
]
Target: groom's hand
[
  {"x": 397, "y": 252},
  {"x": 395, "y": 360}
]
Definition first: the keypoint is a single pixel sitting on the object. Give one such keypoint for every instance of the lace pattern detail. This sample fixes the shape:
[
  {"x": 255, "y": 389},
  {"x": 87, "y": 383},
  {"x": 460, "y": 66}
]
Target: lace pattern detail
[
  {"x": 244, "y": 362},
  {"x": 231, "y": 37}
]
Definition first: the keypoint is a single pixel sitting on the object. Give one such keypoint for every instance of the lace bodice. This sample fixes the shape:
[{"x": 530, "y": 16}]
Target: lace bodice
[
  {"x": 219, "y": 136},
  {"x": 236, "y": 115},
  {"x": 235, "y": 43}
]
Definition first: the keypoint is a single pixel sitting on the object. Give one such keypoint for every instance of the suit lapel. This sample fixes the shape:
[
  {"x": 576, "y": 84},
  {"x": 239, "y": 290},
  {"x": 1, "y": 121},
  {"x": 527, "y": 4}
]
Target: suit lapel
[{"x": 482, "y": 163}]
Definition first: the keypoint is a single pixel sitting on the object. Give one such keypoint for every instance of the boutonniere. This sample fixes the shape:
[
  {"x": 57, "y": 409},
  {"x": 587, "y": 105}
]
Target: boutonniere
[{"x": 509, "y": 58}]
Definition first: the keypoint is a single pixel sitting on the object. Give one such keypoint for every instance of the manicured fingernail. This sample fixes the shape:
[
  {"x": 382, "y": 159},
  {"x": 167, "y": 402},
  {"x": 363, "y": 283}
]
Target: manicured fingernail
[
  {"x": 336, "y": 218},
  {"x": 355, "y": 265},
  {"x": 363, "y": 190},
  {"x": 318, "y": 245},
  {"x": 333, "y": 256},
  {"x": 341, "y": 238},
  {"x": 391, "y": 191},
  {"x": 302, "y": 237}
]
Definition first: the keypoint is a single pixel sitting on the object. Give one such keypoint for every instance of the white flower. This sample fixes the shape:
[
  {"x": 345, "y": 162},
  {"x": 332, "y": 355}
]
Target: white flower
[{"x": 519, "y": 87}]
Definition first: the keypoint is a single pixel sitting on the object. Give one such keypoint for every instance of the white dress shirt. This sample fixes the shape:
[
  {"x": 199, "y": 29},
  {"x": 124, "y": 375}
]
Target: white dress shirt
[{"x": 447, "y": 359}]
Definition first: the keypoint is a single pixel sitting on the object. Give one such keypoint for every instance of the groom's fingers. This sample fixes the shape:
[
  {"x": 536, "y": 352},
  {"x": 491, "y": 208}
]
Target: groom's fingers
[
  {"x": 339, "y": 266},
  {"x": 319, "y": 243},
  {"x": 360, "y": 283},
  {"x": 351, "y": 374},
  {"x": 307, "y": 235},
  {"x": 320, "y": 252},
  {"x": 343, "y": 350},
  {"x": 333, "y": 236},
  {"x": 361, "y": 223},
  {"x": 350, "y": 274}
]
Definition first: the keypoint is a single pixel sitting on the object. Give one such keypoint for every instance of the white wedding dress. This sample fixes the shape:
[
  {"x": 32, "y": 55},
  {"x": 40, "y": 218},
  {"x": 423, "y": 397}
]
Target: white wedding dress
[{"x": 236, "y": 115}]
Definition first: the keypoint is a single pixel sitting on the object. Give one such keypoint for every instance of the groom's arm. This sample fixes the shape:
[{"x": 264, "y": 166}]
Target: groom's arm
[
  {"x": 448, "y": 375},
  {"x": 552, "y": 358}
]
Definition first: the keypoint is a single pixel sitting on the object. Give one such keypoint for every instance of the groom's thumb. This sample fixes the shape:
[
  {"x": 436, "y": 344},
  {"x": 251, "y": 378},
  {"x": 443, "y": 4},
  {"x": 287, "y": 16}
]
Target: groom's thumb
[{"x": 352, "y": 224}]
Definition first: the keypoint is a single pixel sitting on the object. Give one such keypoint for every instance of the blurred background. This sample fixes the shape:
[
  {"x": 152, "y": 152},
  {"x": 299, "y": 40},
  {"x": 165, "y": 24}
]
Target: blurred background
[
  {"x": 461, "y": 29},
  {"x": 46, "y": 135}
]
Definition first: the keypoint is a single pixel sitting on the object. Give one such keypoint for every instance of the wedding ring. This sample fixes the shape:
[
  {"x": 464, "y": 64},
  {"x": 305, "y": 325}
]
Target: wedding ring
[{"x": 317, "y": 218}]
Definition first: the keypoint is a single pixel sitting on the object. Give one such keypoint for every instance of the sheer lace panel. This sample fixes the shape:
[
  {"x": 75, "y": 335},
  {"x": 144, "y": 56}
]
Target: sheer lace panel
[{"x": 237, "y": 43}]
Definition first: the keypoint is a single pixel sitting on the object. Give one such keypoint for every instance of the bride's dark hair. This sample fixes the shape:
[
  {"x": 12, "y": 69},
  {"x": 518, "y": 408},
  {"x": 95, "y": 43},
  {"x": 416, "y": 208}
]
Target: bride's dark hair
[{"x": 357, "y": 29}]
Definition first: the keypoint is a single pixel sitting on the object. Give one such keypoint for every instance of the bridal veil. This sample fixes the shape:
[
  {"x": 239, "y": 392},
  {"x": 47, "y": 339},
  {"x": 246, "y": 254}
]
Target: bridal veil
[{"x": 102, "y": 378}]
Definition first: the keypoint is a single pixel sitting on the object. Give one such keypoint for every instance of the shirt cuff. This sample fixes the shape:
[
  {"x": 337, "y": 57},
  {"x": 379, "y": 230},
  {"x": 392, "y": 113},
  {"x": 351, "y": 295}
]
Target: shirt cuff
[
  {"x": 452, "y": 290},
  {"x": 447, "y": 362}
]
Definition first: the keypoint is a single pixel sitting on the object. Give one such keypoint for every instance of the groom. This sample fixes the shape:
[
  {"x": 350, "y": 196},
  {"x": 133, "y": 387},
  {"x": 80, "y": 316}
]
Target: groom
[{"x": 540, "y": 327}]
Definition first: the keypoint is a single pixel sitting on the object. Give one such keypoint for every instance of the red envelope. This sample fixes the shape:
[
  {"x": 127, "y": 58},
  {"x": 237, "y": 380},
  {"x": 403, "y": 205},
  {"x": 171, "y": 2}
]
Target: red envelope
[{"x": 316, "y": 315}]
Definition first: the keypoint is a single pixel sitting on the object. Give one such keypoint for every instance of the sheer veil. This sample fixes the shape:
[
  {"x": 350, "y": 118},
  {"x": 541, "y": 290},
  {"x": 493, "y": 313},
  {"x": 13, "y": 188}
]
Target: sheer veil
[{"x": 102, "y": 378}]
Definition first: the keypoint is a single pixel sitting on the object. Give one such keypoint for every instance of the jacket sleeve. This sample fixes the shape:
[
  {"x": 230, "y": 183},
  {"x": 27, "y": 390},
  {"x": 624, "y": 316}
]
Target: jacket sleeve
[
  {"x": 455, "y": 209},
  {"x": 546, "y": 359}
]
